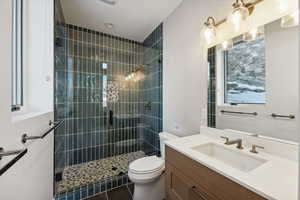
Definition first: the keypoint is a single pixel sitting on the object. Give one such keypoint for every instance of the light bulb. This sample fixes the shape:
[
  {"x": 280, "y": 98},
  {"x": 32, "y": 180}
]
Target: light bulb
[
  {"x": 236, "y": 19},
  {"x": 209, "y": 35},
  {"x": 239, "y": 15},
  {"x": 227, "y": 45},
  {"x": 291, "y": 20},
  {"x": 209, "y": 30},
  {"x": 253, "y": 34}
]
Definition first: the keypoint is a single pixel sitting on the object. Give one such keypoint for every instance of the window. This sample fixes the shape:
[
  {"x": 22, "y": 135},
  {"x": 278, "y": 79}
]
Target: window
[
  {"x": 17, "y": 60},
  {"x": 244, "y": 66}
]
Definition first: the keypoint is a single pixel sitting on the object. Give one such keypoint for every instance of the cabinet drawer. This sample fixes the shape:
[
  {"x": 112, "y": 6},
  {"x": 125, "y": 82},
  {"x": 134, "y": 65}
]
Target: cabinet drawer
[
  {"x": 212, "y": 182},
  {"x": 199, "y": 193}
]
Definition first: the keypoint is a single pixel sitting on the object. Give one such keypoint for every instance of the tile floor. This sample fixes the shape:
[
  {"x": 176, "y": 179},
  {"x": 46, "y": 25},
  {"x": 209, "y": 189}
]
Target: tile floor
[{"x": 122, "y": 193}]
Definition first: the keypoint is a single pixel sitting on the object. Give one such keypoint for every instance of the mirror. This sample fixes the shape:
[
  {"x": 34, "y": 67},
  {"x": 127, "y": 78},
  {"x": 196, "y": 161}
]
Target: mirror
[{"x": 253, "y": 82}]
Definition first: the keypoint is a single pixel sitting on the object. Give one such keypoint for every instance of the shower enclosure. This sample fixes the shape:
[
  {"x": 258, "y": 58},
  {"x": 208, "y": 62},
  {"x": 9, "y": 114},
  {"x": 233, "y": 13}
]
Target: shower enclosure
[{"x": 108, "y": 91}]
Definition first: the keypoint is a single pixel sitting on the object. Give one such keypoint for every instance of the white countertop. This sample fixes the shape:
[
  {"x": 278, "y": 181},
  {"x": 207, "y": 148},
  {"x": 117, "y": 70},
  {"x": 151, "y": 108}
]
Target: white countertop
[{"x": 277, "y": 179}]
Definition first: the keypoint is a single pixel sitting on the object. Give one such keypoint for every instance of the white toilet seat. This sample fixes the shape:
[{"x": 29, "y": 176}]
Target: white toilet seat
[
  {"x": 146, "y": 165},
  {"x": 145, "y": 170}
]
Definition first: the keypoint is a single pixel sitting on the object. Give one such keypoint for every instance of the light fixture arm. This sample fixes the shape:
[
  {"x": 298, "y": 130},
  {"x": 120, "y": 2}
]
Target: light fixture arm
[
  {"x": 242, "y": 2},
  {"x": 238, "y": 3},
  {"x": 250, "y": 6},
  {"x": 210, "y": 21}
]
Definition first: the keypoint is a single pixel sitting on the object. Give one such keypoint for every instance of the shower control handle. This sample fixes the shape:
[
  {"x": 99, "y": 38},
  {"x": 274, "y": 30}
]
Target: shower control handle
[{"x": 111, "y": 117}]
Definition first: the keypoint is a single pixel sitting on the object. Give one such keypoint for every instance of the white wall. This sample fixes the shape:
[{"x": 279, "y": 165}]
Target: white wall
[
  {"x": 185, "y": 73},
  {"x": 31, "y": 178},
  {"x": 281, "y": 89}
]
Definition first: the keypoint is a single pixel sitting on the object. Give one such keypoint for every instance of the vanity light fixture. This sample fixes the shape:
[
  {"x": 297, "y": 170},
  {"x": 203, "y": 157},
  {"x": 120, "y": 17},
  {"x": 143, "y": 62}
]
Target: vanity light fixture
[
  {"x": 239, "y": 14},
  {"x": 241, "y": 11},
  {"x": 254, "y": 33},
  {"x": 227, "y": 45},
  {"x": 291, "y": 20},
  {"x": 210, "y": 30}
]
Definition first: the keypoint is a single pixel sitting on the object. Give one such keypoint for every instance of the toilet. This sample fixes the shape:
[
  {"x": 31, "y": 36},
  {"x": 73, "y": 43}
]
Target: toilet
[{"x": 147, "y": 173}]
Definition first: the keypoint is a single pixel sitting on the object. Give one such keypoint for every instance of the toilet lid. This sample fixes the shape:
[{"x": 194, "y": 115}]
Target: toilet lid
[{"x": 146, "y": 165}]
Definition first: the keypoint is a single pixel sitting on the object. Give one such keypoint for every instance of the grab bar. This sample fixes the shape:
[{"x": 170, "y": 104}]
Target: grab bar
[
  {"x": 241, "y": 113},
  {"x": 283, "y": 116},
  {"x": 19, "y": 153},
  {"x": 25, "y": 137}
]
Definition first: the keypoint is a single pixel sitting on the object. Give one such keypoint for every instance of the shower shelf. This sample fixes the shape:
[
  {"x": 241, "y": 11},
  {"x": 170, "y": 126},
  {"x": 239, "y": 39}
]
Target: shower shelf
[{"x": 127, "y": 116}]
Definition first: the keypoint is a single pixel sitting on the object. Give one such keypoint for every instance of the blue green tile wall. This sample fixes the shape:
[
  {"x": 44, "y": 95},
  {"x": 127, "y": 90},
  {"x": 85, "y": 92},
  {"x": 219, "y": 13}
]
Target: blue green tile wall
[
  {"x": 211, "y": 101},
  {"x": 152, "y": 89}
]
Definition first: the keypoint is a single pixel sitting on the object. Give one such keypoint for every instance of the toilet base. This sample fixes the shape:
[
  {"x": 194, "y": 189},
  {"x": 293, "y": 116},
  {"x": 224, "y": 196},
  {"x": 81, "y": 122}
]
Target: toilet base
[{"x": 150, "y": 191}]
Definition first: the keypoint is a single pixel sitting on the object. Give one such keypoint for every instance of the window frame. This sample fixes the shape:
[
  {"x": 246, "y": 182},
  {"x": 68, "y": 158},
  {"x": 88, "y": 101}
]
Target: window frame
[
  {"x": 17, "y": 56},
  {"x": 225, "y": 71}
]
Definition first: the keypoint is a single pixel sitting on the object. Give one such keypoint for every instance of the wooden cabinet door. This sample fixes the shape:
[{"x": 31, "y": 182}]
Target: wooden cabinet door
[{"x": 180, "y": 187}]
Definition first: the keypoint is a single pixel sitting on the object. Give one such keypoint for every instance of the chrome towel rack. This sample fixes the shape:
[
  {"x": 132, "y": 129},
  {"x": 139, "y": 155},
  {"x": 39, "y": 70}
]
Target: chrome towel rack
[
  {"x": 19, "y": 153},
  {"x": 241, "y": 113},
  {"x": 54, "y": 125},
  {"x": 283, "y": 116}
]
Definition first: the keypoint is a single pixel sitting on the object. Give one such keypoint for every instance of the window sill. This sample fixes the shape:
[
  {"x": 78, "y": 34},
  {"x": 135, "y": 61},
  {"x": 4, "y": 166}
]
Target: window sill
[{"x": 16, "y": 118}]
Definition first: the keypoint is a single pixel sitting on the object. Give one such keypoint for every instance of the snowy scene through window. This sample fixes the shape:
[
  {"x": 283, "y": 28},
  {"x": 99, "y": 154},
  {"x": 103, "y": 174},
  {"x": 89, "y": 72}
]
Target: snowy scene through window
[{"x": 245, "y": 72}]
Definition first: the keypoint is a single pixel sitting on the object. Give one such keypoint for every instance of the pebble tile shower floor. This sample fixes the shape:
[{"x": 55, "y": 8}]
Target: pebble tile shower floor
[{"x": 90, "y": 172}]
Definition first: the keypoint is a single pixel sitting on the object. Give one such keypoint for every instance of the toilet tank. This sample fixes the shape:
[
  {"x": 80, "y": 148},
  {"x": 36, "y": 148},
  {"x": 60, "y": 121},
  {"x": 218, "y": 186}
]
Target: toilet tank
[{"x": 164, "y": 136}]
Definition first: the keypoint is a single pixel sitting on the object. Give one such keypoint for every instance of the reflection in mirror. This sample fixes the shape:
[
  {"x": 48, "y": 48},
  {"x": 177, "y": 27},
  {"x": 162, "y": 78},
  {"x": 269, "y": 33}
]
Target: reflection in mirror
[
  {"x": 244, "y": 77},
  {"x": 257, "y": 74}
]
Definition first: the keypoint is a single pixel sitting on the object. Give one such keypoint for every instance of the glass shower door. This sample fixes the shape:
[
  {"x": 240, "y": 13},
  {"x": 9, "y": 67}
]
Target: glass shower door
[{"x": 101, "y": 110}]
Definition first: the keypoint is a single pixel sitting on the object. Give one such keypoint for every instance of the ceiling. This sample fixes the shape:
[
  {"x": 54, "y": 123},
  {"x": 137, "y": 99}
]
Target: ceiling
[{"x": 132, "y": 19}]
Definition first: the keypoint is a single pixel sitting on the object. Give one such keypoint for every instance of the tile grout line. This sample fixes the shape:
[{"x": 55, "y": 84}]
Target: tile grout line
[{"x": 129, "y": 191}]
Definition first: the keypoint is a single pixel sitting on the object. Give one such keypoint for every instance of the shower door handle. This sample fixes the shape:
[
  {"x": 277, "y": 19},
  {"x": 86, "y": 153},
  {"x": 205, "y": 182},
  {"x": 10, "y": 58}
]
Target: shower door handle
[{"x": 111, "y": 117}]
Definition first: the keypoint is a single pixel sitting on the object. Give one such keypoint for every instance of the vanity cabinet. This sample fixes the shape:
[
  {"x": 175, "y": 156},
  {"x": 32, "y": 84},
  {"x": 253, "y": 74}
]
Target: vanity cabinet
[{"x": 187, "y": 179}]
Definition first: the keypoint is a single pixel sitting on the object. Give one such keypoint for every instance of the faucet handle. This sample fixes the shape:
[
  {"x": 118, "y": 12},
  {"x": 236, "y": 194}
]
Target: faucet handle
[
  {"x": 226, "y": 138},
  {"x": 254, "y": 147}
]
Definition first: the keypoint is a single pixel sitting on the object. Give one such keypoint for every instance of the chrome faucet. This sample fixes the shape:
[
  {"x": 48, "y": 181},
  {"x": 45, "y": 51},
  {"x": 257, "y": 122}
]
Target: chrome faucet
[{"x": 231, "y": 142}]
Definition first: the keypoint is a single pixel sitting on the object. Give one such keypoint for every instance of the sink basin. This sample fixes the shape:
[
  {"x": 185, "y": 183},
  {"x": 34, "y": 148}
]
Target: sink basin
[{"x": 234, "y": 158}]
